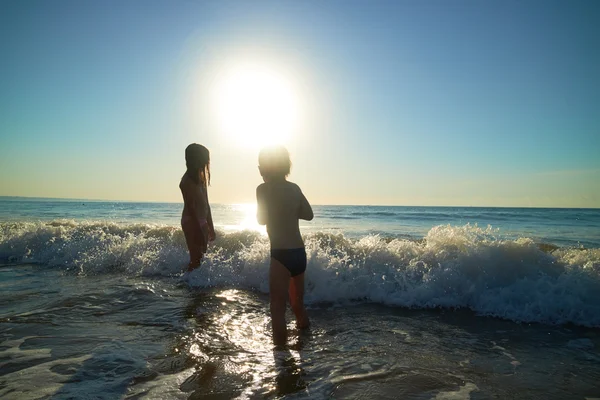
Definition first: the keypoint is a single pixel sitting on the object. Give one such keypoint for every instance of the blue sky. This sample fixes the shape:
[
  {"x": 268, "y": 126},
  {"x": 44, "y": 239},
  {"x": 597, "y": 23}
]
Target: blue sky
[{"x": 404, "y": 102}]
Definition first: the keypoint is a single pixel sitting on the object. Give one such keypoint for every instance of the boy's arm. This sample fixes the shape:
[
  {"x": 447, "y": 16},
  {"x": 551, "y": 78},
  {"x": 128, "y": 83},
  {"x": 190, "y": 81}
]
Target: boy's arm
[
  {"x": 306, "y": 211},
  {"x": 261, "y": 206}
]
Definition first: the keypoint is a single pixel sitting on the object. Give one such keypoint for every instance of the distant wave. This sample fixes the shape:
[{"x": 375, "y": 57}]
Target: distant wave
[
  {"x": 451, "y": 267},
  {"x": 415, "y": 215},
  {"x": 376, "y": 213},
  {"x": 430, "y": 215}
]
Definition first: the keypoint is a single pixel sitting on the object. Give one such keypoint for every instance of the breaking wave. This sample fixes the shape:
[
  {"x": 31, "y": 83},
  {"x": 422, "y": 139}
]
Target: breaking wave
[{"x": 451, "y": 267}]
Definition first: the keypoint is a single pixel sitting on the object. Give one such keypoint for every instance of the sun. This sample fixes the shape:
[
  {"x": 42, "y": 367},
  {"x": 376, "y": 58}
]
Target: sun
[{"x": 256, "y": 105}]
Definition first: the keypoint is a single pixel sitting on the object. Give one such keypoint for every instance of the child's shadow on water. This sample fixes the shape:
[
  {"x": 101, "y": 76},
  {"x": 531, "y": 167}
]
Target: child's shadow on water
[{"x": 291, "y": 375}]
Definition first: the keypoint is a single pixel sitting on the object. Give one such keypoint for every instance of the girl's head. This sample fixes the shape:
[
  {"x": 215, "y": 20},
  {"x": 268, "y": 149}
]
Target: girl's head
[
  {"x": 274, "y": 163},
  {"x": 197, "y": 160}
]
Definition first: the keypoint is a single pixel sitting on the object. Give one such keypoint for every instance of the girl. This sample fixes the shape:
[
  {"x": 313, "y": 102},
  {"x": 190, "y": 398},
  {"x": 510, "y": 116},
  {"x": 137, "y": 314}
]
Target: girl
[
  {"x": 280, "y": 205},
  {"x": 196, "y": 219}
]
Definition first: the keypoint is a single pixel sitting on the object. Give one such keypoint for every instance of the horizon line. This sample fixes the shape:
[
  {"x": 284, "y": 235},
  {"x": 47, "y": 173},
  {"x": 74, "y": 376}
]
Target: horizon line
[{"x": 235, "y": 203}]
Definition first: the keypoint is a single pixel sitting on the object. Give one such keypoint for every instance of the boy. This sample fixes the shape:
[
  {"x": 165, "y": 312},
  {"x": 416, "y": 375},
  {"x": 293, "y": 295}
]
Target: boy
[{"x": 280, "y": 205}]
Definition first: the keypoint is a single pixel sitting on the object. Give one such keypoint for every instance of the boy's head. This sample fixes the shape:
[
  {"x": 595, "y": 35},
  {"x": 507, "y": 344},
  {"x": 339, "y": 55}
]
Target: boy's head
[{"x": 274, "y": 162}]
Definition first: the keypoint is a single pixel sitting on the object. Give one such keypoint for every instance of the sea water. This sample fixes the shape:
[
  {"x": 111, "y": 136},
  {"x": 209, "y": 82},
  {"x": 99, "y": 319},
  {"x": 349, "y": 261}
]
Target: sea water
[{"x": 405, "y": 302}]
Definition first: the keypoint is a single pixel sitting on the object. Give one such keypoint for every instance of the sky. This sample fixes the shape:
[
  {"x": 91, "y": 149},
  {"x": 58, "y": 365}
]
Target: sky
[{"x": 448, "y": 103}]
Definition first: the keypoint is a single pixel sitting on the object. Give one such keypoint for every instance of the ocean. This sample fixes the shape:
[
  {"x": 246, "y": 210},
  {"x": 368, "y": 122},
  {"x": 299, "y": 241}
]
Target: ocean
[{"x": 405, "y": 303}]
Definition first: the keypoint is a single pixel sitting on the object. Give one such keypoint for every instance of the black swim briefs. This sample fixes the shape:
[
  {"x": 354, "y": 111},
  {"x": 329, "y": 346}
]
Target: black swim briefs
[{"x": 293, "y": 259}]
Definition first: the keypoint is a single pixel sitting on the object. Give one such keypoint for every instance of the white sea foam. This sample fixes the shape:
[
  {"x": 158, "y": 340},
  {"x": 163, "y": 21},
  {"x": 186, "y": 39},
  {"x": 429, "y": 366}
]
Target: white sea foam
[
  {"x": 452, "y": 267},
  {"x": 463, "y": 392}
]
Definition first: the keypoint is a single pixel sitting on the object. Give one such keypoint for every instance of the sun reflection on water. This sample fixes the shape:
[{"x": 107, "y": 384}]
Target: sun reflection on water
[
  {"x": 234, "y": 340},
  {"x": 244, "y": 217}
]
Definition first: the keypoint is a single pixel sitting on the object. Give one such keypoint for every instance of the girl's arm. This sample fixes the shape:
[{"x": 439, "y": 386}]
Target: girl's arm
[
  {"x": 211, "y": 226},
  {"x": 187, "y": 192}
]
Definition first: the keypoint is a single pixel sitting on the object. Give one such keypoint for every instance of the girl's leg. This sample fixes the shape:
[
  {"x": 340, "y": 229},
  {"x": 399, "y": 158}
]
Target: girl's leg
[
  {"x": 279, "y": 278},
  {"x": 297, "y": 301},
  {"x": 191, "y": 239},
  {"x": 195, "y": 259}
]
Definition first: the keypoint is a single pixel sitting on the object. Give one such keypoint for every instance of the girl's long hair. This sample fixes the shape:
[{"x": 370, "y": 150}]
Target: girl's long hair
[{"x": 197, "y": 158}]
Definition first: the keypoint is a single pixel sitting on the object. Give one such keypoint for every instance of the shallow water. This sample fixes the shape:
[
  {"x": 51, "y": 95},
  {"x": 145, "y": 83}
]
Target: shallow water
[
  {"x": 405, "y": 302},
  {"x": 114, "y": 337}
]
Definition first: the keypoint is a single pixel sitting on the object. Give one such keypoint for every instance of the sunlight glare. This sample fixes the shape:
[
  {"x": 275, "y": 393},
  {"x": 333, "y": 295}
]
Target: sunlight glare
[
  {"x": 249, "y": 221},
  {"x": 256, "y": 105}
]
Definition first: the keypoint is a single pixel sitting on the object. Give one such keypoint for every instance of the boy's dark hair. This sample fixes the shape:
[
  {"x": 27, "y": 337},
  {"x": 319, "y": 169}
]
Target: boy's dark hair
[
  {"x": 197, "y": 157},
  {"x": 274, "y": 162}
]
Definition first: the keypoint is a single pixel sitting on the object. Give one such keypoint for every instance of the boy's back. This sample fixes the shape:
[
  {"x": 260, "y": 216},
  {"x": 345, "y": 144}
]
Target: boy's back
[{"x": 280, "y": 205}]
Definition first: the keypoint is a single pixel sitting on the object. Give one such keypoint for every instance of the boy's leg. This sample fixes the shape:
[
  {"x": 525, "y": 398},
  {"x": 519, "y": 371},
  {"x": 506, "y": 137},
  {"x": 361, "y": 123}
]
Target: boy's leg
[
  {"x": 297, "y": 301},
  {"x": 279, "y": 278}
]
